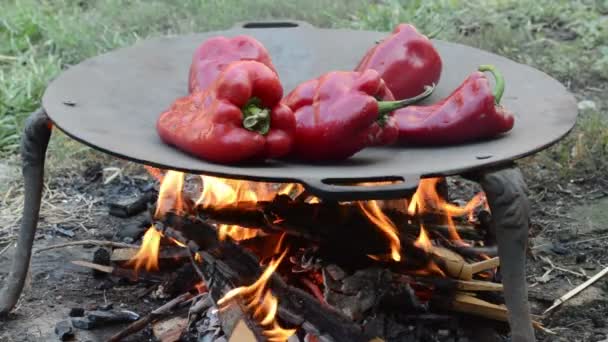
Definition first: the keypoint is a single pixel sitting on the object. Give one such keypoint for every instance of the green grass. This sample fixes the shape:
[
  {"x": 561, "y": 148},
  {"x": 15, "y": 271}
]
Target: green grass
[{"x": 566, "y": 39}]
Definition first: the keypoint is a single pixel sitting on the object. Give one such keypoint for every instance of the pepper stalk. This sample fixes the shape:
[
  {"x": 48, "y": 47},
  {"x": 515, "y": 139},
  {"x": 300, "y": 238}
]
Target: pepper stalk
[
  {"x": 255, "y": 117},
  {"x": 499, "y": 88},
  {"x": 386, "y": 107}
]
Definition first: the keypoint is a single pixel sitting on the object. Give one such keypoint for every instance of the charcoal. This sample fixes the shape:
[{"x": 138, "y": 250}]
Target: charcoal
[
  {"x": 204, "y": 303},
  {"x": 209, "y": 328},
  {"x": 374, "y": 326},
  {"x": 98, "y": 318},
  {"x": 125, "y": 210},
  {"x": 559, "y": 249},
  {"x": 76, "y": 312},
  {"x": 93, "y": 172},
  {"x": 112, "y": 316},
  {"x": 101, "y": 256},
  {"x": 581, "y": 258},
  {"x": 598, "y": 322},
  {"x": 63, "y": 330},
  {"x": 335, "y": 272},
  {"x": 63, "y": 231}
]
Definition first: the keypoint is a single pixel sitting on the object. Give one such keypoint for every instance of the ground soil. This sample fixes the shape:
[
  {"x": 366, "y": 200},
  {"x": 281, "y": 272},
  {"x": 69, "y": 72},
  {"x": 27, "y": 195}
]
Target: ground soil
[{"x": 567, "y": 228}]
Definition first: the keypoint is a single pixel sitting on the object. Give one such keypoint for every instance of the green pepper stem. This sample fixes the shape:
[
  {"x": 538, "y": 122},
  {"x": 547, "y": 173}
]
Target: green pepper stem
[
  {"x": 499, "y": 88},
  {"x": 255, "y": 117},
  {"x": 385, "y": 107}
]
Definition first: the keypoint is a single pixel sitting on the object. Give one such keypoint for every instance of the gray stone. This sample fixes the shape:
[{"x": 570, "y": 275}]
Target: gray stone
[
  {"x": 82, "y": 323},
  {"x": 63, "y": 329}
]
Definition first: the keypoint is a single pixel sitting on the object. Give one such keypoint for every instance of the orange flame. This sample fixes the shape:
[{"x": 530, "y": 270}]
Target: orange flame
[
  {"x": 235, "y": 232},
  {"x": 147, "y": 255},
  {"x": 423, "y": 242},
  {"x": 427, "y": 200},
  {"x": 154, "y": 172},
  {"x": 178, "y": 243},
  {"x": 372, "y": 210},
  {"x": 170, "y": 194},
  {"x": 223, "y": 192},
  {"x": 259, "y": 299}
]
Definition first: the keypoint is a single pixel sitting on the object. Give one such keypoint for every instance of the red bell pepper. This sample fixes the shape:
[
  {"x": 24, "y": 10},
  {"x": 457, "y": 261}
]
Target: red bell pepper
[
  {"x": 407, "y": 61},
  {"x": 338, "y": 114},
  {"x": 470, "y": 113},
  {"x": 237, "y": 118},
  {"x": 213, "y": 55}
]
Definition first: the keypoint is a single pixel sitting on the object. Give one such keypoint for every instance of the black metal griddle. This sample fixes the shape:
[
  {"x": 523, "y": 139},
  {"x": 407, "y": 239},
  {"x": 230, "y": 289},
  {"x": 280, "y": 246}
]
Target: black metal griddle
[{"x": 111, "y": 102}]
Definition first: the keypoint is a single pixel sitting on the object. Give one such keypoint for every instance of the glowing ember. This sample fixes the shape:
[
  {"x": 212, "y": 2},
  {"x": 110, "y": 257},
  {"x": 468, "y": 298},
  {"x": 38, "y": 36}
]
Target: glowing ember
[
  {"x": 259, "y": 299},
  {"x": 201, "y": 287},
  {"x": 236, "y": 232},
  {"x": 372, "y": 210},
  {"x": 198, "y": 258},
  {"x": 423, "y": 242},
  {"x": 147, "y": 255},
  {"x": 170, "y": 194}
]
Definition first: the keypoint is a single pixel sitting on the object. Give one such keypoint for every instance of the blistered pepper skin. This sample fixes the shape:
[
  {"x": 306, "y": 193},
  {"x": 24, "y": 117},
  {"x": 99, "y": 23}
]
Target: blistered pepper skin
[
  {"x": 469, "y": 113},
  {"x": 406, "y": 60},
  {"x": 337, "y": 115},
  {"x": 216, "y": 53},
  {"x": 209, "y": 124}
]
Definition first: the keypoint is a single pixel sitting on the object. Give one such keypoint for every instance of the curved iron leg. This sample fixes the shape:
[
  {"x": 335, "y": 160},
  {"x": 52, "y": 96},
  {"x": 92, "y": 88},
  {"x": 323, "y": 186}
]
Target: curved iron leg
[
  {"x": 507, "y": 196},
  {"x": 33, "y": 150}
]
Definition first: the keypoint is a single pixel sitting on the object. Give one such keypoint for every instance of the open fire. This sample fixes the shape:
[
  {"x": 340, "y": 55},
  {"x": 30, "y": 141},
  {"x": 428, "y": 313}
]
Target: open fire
[{"x": 414, "y": 238}]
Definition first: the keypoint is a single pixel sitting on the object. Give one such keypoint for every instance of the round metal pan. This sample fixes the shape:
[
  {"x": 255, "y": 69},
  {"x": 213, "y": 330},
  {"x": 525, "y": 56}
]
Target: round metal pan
[{"x": 111, "y": 102}]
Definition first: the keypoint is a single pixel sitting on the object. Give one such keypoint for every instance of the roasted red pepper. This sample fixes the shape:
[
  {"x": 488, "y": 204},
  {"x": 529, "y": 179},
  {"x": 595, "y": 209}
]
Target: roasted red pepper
[
  {"x": 338, "y": 114},
  {"x": 213, "y": 55},
  {"x": 470, "y": 113},
  {"x": 407, "y": 61},
  {"x": 237, "y": 118}
]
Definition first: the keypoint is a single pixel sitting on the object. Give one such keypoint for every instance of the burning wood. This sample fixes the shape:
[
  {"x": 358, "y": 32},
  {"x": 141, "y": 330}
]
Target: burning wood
[
  {"x": 171, "y": 253},
  {"x": 414, "y": 242},
  {"x": 148, "y": 252},
  {"x": 258, "y": 299}
]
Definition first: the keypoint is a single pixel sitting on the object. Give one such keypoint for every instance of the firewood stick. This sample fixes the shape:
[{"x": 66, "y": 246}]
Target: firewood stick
[
  {"x": 466, "y": 303},
  {"x": 152, "y": 316},
  {"x": 476, "y": 285},
  {"x": 452, "y": 263},
  {"x": 485, "y": 265},
  {"x": 125, "y": 254},
  {"x": 576, "y": 290},
  {"x": 455, "y": 266},
  {"x": 88, "y": 242},
  {"x": 119, "y": 271}
]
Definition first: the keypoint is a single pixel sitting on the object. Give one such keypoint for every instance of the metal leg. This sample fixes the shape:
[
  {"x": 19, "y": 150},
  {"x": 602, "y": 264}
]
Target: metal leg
[
  {"x": 507, "y": 196},
  {"x": 33, "y": 150}
]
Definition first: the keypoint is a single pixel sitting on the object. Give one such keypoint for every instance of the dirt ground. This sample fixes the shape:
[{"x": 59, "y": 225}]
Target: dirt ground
[{"x": 568, "y": 231}]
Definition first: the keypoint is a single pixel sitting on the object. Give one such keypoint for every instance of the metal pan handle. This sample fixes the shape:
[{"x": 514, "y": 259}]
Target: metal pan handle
[
  {"x": 273, "y": 24},
  {"x": 337, "y": 192}
]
